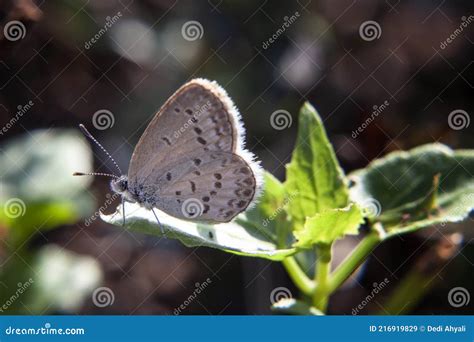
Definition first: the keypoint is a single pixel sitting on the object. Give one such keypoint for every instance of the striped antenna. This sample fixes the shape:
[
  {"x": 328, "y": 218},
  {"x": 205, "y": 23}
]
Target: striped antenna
[
  {"x": 87, "y": 134},
  {"x": 95, "y": 174}
]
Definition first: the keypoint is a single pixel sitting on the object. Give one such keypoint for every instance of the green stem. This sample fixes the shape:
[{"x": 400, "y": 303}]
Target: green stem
[
  {"x": 354, "y": 260},
  {"x": 323, "y": 269},
  {"x": 407, "y": 294},
  {"x": 422, "y": 276},
  {"x": 299, "y": 277}
]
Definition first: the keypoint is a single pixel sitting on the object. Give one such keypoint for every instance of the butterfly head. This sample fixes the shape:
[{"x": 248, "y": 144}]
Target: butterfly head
[{"x": 119, "y": 185}]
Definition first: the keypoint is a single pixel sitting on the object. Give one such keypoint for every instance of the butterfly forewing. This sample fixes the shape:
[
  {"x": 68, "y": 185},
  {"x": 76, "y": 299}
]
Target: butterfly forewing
[{"x": 194, "y": 120}]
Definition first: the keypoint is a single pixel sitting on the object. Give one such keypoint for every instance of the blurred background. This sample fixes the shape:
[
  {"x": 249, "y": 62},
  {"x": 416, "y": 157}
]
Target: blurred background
[{"x": 112, "y": 64}]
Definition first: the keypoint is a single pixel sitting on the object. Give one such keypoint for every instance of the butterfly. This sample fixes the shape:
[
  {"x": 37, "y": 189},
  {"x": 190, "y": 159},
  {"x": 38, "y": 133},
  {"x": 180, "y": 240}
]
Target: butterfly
[{"x": 191, "y": 162}]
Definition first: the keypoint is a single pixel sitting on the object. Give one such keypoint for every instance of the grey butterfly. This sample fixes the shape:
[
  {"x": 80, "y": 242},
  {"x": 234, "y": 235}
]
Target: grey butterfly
[{"x": 191, "y": 162}]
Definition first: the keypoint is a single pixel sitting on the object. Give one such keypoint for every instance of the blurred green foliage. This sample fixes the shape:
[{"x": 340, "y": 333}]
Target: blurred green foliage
[{"x": 38, "y": 193}]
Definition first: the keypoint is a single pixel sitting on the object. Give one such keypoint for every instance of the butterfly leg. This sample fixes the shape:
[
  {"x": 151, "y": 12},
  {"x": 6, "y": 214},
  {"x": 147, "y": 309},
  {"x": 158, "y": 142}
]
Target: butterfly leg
[
  {"x": 159, "y": 223},
  {"x": 123, "y": 211}
]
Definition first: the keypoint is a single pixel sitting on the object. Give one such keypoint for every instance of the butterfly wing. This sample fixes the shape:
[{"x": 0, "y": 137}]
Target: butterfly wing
[
  {"x": 212, "y": 187},
  {"x": 197, "y": 118},
  {"x": 192, "y": 151}
]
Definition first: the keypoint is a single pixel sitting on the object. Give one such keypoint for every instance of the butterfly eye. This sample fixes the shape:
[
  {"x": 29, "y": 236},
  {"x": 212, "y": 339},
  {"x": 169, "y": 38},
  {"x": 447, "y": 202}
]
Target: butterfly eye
[{"x": 123, "y": 184}]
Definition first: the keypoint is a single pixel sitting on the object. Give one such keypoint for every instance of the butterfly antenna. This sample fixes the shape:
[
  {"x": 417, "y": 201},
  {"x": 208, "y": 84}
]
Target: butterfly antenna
[
  {"x": 90, "y": 136},
  {"x": 95, "y": 174}
]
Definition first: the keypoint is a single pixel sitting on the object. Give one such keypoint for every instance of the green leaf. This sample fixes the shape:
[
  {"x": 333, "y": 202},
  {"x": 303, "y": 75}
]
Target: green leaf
[
  {"x": 268, "y": 214},
  {"x": 47, "y": 280},
  {"x": 403, "y": 191},
  {"x": 328, "y": 226},
  {"x": 37, "y": 190},
  {"x": 241, "y": 236},
  {"x": 38, "y": 166},
  {"x": 291, "y": 306},
  {"x": 314, "y": 175},
  {"x": 37, "y": 216}
]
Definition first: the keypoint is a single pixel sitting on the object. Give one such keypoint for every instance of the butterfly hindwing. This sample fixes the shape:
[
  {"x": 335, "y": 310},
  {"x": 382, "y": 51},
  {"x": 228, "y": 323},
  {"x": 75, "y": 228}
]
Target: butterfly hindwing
[{"x": 217, "y": 186}]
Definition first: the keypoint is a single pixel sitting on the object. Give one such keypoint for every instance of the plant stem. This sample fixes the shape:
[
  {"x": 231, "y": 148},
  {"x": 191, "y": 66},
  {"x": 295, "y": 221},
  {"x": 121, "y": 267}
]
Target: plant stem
[
  {"x": 299, "y": 277},
  {"x": 423, "y": 275},
  {"x": 407, "y": 295},
  {"x": 353, "y": 260},
  {"x": 323, "y": 268}
]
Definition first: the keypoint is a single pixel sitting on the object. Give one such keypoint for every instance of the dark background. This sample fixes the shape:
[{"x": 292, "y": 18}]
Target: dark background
[{"x": 134, "y": 67}]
